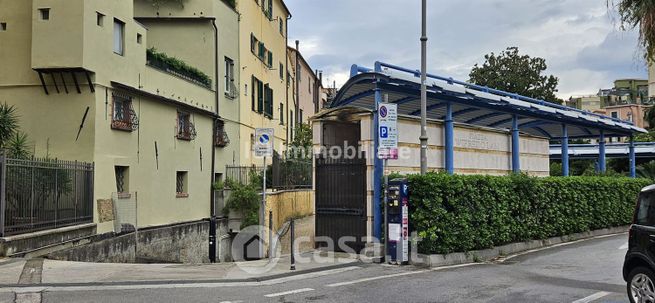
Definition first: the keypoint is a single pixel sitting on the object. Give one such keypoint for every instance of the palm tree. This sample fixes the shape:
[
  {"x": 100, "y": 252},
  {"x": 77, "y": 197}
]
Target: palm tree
[
  {"x": 11, "y": 139},
  {"x": 641, "y": 14}
]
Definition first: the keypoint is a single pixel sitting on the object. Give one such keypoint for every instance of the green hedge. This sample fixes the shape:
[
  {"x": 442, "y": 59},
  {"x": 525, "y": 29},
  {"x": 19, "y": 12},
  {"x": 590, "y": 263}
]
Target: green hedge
[{"x": 463, "y": 213}]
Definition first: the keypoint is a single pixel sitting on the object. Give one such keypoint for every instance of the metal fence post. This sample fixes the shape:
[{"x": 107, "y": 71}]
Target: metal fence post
[
  {"x": 56, "y": 196},
  {"x": 3, "y": 194},
  {"x": 293, "y": 258}
]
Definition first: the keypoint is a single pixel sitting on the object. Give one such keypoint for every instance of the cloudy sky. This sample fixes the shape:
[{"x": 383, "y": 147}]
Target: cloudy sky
[{"x": 579, "y": 39}]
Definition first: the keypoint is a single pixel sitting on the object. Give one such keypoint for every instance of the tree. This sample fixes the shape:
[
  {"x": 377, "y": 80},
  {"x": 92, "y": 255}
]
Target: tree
[
  {"x": 650, "y": 117},
  {"x": 638, "y": 14},
  {"x": 11, "y": 139},
  {"x": 515, "y": 73}
]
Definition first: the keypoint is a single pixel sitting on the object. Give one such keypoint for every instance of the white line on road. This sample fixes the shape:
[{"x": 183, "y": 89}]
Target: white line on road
[
  {"x": 291, "y": 292},
  {"x": 398, "y": 275},
  {"x": 624, "y": 246},
  {"x": 593, "y": 297}
]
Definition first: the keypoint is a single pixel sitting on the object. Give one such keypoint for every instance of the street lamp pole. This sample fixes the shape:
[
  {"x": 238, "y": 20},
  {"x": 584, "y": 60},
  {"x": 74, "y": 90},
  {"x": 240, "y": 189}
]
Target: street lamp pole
[{"x": 424, "y": 96}]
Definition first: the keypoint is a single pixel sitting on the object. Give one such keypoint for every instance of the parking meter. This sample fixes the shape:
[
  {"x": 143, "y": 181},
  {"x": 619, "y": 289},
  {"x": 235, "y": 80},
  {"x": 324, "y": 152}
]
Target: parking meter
[{"x": 398, "y": 221}]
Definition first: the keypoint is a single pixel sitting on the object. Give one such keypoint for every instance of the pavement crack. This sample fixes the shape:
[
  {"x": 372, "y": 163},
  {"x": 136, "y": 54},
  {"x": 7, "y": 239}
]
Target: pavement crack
[{"x": 32, "y": 272}]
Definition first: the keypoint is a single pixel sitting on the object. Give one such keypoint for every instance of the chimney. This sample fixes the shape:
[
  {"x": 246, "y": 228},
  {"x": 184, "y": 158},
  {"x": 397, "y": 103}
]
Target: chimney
[{"x": 297, "y": 45}]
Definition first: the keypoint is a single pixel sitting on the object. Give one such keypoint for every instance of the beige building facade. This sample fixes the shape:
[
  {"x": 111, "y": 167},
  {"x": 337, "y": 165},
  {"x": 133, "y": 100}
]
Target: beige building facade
[
  {"x": 84, "y": 66},
  {"x": 263, "y": 73},
  {"x": 308, "y": 86}
]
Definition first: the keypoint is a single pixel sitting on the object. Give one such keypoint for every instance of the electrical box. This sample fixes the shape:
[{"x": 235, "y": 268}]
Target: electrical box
[{"x": 398, "y": 221}]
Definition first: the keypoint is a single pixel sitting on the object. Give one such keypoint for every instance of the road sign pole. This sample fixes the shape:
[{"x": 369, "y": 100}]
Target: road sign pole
[{"x": 263, "y": 207}]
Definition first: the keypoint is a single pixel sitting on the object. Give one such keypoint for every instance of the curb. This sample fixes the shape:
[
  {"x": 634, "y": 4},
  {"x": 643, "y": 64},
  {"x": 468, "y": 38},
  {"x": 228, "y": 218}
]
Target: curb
[
  {"x": 439, "y": 260},
  {"x": 207, "y": 281}
]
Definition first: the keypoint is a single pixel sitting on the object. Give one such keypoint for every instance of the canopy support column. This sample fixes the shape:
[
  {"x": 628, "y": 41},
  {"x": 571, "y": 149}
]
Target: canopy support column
[
  {"x": 565, "y": 150},
  {"x": 602, "y": 163},
  {"x": 633, "y": 159},
  {"x": 377, "y": 172},
  {"x": 448, "y": 140},
  {"x": 516, "y": 153}
]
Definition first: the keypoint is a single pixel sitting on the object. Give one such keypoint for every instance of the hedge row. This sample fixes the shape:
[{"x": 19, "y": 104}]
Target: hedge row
[{"x": 463, "y": 213}]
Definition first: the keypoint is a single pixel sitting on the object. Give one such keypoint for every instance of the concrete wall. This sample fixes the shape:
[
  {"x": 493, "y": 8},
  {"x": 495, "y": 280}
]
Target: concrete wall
[
  {"x": 181, "y": 243},
  {"x": 297, "y": 204}
]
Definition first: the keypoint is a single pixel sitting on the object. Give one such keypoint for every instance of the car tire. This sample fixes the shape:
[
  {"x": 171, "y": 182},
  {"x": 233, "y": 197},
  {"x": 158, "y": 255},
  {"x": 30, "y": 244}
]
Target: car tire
[{"x": 643, "y": 279}]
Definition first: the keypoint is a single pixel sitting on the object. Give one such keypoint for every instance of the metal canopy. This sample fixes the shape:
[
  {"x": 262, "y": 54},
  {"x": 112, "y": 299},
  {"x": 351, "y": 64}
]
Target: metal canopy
[
  {"x": 616, "y": 150},
  {"x": 473, "y": 104}
]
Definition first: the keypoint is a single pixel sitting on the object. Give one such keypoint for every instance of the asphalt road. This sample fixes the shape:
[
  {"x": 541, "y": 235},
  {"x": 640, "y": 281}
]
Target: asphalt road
[{"x": 588, "y": 271}]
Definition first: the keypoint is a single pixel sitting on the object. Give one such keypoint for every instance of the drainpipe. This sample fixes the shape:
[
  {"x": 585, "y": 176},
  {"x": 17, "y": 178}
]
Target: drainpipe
[
  {"x": 297, "y": 83},
  {"x": 286, "y": 73},
  {"x": 212, "y": 196}
]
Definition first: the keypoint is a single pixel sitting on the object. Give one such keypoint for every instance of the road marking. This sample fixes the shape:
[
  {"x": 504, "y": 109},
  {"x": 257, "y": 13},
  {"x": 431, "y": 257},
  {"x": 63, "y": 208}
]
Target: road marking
[
  {"x": 624, "y": 246},
  {"x": 291, "y": 292},
  {"x": 399, "y": 274},
  {"x": 593, "y": 297}
]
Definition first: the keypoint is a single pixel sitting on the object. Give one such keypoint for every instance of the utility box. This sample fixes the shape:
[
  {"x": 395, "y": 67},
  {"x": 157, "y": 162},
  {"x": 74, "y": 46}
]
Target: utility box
[{"x": 398, "y": 221}]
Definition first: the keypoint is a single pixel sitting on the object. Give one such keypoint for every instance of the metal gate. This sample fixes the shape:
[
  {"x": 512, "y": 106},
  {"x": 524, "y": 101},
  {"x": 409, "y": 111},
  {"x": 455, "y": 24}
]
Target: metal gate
[{"x": 341, "y": 191}]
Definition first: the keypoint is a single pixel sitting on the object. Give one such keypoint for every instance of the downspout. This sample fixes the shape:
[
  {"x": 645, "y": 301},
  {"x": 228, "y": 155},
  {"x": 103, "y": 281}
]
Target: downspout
[
  {"x": 286, "y": 74},
  {"x": 297, "y": 106},
  {"x": 212, "y": 195}
]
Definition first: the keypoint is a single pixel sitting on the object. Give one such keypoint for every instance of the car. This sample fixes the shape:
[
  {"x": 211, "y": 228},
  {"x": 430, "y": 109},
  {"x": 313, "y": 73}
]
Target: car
[{"x": 639, "y": 264}]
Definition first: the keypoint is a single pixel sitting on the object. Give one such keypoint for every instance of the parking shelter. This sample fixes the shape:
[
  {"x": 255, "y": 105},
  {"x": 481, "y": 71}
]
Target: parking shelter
[{"x": 472, "y": 129}]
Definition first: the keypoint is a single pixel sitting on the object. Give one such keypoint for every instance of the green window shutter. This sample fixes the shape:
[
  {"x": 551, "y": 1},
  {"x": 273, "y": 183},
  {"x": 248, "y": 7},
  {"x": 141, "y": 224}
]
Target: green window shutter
[
  {"x": 253, "y": 82},
  {"x": 270, "y": 59},
  {"x": 260, "y": 97},
  {"x": 270, "y": 9}
]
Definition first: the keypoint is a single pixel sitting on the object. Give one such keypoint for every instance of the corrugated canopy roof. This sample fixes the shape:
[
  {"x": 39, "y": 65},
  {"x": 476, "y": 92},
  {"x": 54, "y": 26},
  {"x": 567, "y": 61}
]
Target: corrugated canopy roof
[{"x": 473, "y": 104}]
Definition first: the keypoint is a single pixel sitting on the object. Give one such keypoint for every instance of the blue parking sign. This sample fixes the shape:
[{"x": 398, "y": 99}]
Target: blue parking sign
[{"x": 384, "y": 132}]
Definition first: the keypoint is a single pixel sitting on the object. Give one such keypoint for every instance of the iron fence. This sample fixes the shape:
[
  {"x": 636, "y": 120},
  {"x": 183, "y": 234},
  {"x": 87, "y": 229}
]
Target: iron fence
[
  {"x": 291, "y": 173},
  {"x": 38, "y": 194},
  {"x": 244, "y": 174}
]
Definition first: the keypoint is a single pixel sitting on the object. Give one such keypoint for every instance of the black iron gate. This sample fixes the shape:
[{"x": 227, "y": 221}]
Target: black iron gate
[{"x": 341, "y": 191}]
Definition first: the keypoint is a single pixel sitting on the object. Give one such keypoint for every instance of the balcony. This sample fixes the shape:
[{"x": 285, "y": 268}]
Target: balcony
[{"x": 177, "y": 68}]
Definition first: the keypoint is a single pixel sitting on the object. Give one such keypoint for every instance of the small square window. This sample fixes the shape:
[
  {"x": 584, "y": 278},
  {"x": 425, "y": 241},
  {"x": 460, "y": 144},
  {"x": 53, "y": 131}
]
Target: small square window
[
  {"x": 100, "y": 19},
  {"x": 139, "y": 38},
  {"x": 182, "y": 184},
  {"x": 45, "y": 13},
  {"x": 3, "y": 26}
]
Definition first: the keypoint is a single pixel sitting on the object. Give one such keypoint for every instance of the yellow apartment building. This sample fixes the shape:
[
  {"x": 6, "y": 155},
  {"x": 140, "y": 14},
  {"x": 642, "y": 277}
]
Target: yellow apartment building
[
  {"x": 86, "y": 88},
  {"x": 264, "y": 70}
]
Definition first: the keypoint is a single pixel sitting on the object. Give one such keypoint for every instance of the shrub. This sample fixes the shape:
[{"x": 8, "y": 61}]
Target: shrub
[
  {"x": 244, "y": 199},
  {"x": 462, "y": 213}
]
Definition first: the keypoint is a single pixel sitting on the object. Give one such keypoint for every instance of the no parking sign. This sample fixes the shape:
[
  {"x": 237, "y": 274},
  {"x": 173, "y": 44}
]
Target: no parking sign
[
  {"x": 264, "y": 142},
  {"x": 388, "y": 131}
]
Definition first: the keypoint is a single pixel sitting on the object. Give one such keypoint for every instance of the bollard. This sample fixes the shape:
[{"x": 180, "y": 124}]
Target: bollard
[{"x": 293, "y": 258}]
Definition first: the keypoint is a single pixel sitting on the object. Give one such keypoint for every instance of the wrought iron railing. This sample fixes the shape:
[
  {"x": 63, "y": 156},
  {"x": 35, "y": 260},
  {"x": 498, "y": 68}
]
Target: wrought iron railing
[
  {"x": 291, "y": 173},
  {"x": 244, "y": 174},
  {"x": 39, "y": 194}
]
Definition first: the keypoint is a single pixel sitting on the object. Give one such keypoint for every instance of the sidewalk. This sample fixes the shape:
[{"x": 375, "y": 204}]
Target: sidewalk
[{"x": 13, "y": 272}]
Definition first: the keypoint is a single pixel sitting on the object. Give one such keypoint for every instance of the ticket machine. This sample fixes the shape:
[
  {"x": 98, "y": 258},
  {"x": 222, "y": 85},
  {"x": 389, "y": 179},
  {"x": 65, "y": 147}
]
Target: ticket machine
[{"x": 398, "y": 221}]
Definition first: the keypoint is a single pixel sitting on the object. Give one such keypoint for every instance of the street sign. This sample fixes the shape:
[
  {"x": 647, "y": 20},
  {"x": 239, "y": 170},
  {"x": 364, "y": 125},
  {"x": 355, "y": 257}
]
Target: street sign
[
  {"x": 264, "y": 142},
  {"x": 388, "y": 131}
]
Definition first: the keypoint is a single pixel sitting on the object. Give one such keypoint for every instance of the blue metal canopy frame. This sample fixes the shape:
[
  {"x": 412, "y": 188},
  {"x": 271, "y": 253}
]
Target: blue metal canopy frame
[{"x": 459, "y": 102}]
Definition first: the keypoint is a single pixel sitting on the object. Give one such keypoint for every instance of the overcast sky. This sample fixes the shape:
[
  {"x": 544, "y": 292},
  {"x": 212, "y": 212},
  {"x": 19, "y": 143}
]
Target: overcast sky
[{"x": 580, "y": 41}]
